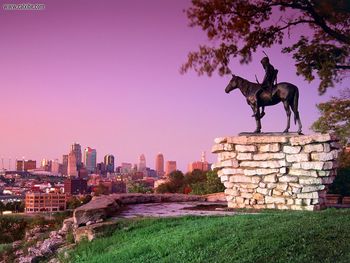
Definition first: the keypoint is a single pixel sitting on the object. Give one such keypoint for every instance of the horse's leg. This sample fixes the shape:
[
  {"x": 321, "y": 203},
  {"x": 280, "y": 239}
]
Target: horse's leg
[
  {"x": 262, "y": 112},
  {"x": 257, "y": 118},
  {"x": 294, "y": 106},
  {"x": 287, "y": 109}
]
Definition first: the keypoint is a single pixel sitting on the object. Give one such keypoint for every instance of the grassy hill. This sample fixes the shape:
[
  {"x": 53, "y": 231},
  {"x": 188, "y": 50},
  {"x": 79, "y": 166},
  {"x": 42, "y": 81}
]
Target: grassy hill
[{"x": 268, "y": 237}]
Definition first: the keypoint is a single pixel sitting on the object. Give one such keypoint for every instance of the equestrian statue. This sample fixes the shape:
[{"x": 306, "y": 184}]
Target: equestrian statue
[{"x": 268, "y": 93}]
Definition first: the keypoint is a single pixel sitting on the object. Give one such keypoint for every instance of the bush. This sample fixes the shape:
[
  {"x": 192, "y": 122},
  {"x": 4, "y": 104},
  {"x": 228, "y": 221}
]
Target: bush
[{"x": 341, "y": 184}]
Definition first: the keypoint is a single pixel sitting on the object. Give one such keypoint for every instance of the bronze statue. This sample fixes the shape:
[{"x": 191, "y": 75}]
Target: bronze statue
[{"x": 258, "y": 97}]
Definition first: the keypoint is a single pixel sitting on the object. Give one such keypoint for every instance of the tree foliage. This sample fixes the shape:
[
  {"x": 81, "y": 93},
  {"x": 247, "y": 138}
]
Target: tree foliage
[
  {"x": 195, "y": 182},
  {"x": 237, "y": 28},
  {"x": 335, "y": 117}
]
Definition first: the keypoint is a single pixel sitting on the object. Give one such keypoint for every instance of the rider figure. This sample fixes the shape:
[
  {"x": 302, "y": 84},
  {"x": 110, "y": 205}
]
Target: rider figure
[
  {"x": 268, "y": 82},
  {"x": 270, "y": 76}
]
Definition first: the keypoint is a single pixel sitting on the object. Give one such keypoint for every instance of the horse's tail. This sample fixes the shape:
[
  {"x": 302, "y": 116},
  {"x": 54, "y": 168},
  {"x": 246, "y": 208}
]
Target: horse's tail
[{"x": 295, "y": 104}]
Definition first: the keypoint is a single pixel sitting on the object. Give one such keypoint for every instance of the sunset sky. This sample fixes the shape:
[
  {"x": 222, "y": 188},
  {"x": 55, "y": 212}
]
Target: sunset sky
[{"x": 105, "y": 74}]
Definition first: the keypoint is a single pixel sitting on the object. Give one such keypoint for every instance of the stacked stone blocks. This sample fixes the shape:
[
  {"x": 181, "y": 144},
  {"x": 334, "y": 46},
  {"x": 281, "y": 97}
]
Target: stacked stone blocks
[{"x": 277, "y": 171}]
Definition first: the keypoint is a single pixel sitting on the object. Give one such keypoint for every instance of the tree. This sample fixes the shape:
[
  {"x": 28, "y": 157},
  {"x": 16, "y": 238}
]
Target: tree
[
  {"x": 335, "y": 117},
  {"x": 138, "y": 187},
  {"x": 240, "y": 27}
]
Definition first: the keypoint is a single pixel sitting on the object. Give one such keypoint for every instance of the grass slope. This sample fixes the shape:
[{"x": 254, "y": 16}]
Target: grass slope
[{"x": 267, "y": 237}]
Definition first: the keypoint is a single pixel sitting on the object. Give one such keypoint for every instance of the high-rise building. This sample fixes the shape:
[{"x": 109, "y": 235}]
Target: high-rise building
[
  {"x": 72, "y": 165},
  {"x": 55, "y": 167},
  {"x": 65, "y": 164},
  {"x": 76, "y": 149},
  {"x": 202, "y": 165},
  {"x": 160, "y": 165},
  {"x": 109, "y": 163},
  {"x": 25, "y": 165},
  {"x": 142, "y": 163},
  {"x": 170, "y": 167},
  {"x": 90, "y": 159},
  {"x": 126, "y": 168},
  {"x": 75, "y": 186}
]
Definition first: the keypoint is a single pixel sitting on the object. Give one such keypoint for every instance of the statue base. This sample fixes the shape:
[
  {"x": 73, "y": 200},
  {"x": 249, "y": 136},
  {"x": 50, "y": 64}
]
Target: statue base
[
  {"x": 269, "y": 134},
  {"x": 276, "y": 170}
]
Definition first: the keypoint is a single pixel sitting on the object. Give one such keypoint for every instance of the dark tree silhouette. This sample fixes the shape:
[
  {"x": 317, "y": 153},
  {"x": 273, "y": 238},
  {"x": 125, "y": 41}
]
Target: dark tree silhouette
[{"x": 238, "y": 27}]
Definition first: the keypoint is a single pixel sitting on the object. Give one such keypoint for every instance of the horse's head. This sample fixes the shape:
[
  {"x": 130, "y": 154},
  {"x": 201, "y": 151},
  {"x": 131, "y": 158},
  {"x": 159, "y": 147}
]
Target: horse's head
[{"x": 233, "y": 84}]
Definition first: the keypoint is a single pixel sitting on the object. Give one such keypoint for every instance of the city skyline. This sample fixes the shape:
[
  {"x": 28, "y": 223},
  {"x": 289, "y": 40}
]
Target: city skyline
[{"x": 61, "y": 73}]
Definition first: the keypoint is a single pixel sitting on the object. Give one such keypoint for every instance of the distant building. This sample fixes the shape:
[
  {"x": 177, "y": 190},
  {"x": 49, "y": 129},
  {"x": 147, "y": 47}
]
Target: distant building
[
  {"x": 72, "y": 165},
  {"x": 44, "y": 202},
  {"x": 76, "y": 149},
  {"x": 75, "y": 186},
  {"x": 170, "y": 167},
  {"x": 25, "y": 165},
  {"x": 90, "y": 159},
  {"x": 83, "y": 173},
  {"x": 160, "y": 165},
  {"x": 201, "y": 165},
  {"x": 64, "y": 164},
  {"x": 126, "y": 168},
  {"x": 101, "y": 168},
  {"x": 55, "y": 167},
  {"x": 109, "y": 163},
  {"x": 142, "y": 164}
]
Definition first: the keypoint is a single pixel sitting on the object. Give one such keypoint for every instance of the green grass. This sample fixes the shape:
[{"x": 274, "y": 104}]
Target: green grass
[{"x": 267, "y": 237}]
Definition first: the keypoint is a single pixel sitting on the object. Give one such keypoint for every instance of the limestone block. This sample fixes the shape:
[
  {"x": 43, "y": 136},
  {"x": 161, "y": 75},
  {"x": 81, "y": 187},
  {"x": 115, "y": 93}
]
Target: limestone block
[
  {"x": 217, "y": 148},
  {"x": 220, "y": 140},
  {"x": 245, "y": 148},
  {"x": 313, "y": 148},
  {"x": 263, "y": 191},
  {"x": 271, "y": 185},
  {"x": 324, "y": 173},
  {"x": 283, "y": 170},
  {"x": 228, "y": 185},
  {"x": 333, "y": 155},
  {"x": 257, "y": 139},
  {"x": 308, "y": 195},
  {"x": 223, "y": 156},
  {"x": 282, "y": 186},
  {"x": 244, "y": 156},
  {"x": 232, "y": 192},
  {"x": 268, "y": 156},
  {"x": 327, "y": 180},
  {"x": 291, "y": 149},
  {"x": 258, "y": 196},
  {"x": 270, "y": 178},
  {"x": 262, "y": 185},
  {"x": 231, "y": 171},
  {"x": 246, "y": 195},
  {"x": 276, "y": 192},
  {"x": 271, "y": 206},
  {"x": 229, "y": 163},
  {"x": 312, "y": 188},
  {"x": 326, "y": 147},
  {"x": 224, "y": 178},
  {"x": 272, "y": 147},
  {"x": 301, "y": 157},
  {"x": 264, "y": 164},
  {"x": 310, "y": 180},
  {"x": 249, "y": 186},
  {"x": 309, "y": 165},
  {"x": 240, "y": 179},
  {"x": 260, "y": 171},
  {"x": 288, "y": 179},
  {"x": 299, "y": 172},
  {"x": 275, "y": 200},
  {"x": 307, "y": 139}
]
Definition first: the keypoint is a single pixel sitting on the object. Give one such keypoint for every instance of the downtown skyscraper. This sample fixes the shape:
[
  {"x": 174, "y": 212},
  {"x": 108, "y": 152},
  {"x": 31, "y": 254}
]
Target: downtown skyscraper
[
  {"x": 159, "y": 167},
  {"x": 109, "y": 163},
  {"x": 90, "y": 159}
]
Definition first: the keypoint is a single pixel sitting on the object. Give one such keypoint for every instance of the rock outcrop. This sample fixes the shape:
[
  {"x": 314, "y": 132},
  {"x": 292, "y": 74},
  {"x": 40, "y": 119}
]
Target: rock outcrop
[
  {"x": 102, "y": 207},
  {"x": 276, "y": 171}
]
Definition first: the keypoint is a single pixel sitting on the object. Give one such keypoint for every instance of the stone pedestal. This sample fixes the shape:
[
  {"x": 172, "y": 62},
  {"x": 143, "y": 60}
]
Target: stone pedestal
[{"x": 283, "y": 171}]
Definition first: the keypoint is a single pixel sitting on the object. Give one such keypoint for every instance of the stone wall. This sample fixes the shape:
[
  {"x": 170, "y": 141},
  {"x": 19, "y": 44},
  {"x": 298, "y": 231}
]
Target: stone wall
[{"x": 276, "y": 171}]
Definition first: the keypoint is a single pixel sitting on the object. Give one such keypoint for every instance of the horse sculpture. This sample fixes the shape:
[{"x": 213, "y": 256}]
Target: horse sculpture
[{"x": 284, "y": 92}]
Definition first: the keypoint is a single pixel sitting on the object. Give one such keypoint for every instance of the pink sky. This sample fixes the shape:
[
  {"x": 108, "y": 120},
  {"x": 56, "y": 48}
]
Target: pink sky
[{"x": 106, "y": 74}]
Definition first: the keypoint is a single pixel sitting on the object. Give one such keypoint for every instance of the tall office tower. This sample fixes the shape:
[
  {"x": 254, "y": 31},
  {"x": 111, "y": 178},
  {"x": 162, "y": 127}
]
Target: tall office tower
[
  {"x": 55, "y": 167},
  {"x": 202, "y": 165},
  {"x": 109, "y": 163},
  {"x": 64, "y": 164},
  {"x": 142, "y": 163},
  {"x": 170, "y": 167},
  {"x": 160, "y": 164},
  {"x": 72, "y": 165},
  {"x": 76, "y": 148},
  {"x": 90, "y": 159}
]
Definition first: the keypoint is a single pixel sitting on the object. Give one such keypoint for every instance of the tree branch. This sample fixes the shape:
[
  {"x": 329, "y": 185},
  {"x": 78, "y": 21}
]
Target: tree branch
[{"x": 342, "y": 66}]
